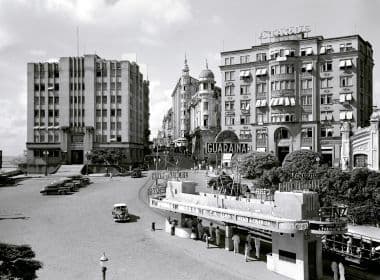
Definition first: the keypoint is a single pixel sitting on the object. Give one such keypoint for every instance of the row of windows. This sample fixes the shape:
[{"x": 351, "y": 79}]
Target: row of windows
[
  {"x": 39, "y": 71},
  {"x": 327, "y": 131},
  {"x": 308, "y": 51},
  {"x": 289, "y": 69},
  {"x": 103, "y": 138},
  {"x": 77, "y": 99},
  {"x": 345, "y": 81},
  {"x": 103, "y": 99},
  {"x": 41, "y": 113},
  {"x": 282, "y": 85},
  {"x": 77, "y": 86},
  {"x": 103, "y": 125},
  {"x": 77, "y": 112},
  {"x": 103, "y": 86},
  {"x": 103, "y": 112},
  {"x": 42, "y": 123},
  {"x": 41, "y": 100},
  {"x": 41, "y": 153},
  {"x": 41, "y": 87},
  {"x": 43, "y": 137},
  {"x": 282, "y": 69}
]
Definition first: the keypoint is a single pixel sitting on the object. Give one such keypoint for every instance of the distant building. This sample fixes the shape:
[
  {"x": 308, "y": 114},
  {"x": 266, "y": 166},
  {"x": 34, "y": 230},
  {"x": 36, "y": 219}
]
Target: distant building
[
  {"x": 295, "y": 92},
  {"x": 85, "y": 103},
  {"x": 185, "y": 88}
]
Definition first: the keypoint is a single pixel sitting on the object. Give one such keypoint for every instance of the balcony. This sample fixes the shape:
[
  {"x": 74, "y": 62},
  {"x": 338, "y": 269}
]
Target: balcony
[{"x": 262, "y": 142}]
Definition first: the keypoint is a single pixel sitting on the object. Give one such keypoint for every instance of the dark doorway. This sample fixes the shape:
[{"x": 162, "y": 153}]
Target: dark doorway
[
  {"x": 327, "y": 158},
  {"x": 77, "y": 157},
  {"x": 312, "y": 250},
  {"x": 282, "y": 152}
]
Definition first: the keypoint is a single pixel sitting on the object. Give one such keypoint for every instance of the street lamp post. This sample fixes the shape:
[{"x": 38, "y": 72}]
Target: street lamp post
[
  {"x": 87, "y": 154},
  {"x": 46, "y": 154},
  {"x": 103, "y": 261}
]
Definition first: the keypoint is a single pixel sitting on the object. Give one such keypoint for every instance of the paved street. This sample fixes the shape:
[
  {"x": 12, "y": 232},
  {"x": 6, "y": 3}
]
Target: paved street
[{"x": 69, "y": 234}]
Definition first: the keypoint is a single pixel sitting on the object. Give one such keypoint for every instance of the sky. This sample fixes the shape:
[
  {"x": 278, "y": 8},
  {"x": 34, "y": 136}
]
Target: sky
[{"x": 157, "y": 34}]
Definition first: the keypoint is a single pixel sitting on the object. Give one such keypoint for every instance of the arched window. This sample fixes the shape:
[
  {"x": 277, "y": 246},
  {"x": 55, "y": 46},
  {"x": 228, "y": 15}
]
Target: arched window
[{"x": 282, "y": 133}]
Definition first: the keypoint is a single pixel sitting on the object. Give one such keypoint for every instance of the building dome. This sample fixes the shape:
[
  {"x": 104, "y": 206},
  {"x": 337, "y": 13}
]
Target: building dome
[{"x": 206, "y": 74}]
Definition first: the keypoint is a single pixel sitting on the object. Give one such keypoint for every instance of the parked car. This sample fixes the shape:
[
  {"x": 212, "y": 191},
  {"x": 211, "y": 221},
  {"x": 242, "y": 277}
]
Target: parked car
[
  {"x": 120, "y": 212},
  {"x": 136, "y": 173},
  {"x": 73, "y": 185},
  {"x": 56, "y": 188},
  {"x": 82, "y": 181},
  {"x": 6, "y": 181}
]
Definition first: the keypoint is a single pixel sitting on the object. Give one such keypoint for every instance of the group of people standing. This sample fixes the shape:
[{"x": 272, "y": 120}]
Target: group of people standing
[{"x": 212, "y": 234}]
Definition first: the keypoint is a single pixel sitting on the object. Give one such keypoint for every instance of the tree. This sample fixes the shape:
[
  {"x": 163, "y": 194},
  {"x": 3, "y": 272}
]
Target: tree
[
  {"x": 302, "y": 161},
  {"x": 16, "y": 262},
  {"x": 253, "y": 164}
]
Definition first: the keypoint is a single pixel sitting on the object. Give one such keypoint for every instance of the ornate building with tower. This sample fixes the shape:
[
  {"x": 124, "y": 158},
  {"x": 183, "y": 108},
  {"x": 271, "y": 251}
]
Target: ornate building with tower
[{"x": 204, "y": 109}]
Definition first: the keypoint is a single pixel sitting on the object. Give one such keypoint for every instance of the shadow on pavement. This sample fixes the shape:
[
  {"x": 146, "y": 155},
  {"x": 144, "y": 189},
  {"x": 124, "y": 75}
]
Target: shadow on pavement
[{"x": 133, "y": 218}]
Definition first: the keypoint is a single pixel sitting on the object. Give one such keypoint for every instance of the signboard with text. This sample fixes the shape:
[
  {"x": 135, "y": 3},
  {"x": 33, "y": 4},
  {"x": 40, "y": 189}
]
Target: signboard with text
[{"x": 229, "y": 148}]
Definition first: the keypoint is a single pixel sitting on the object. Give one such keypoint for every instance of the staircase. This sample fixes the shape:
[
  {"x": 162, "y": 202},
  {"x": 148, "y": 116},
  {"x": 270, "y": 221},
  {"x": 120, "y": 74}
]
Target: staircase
[{"x": 69, "y": 170}]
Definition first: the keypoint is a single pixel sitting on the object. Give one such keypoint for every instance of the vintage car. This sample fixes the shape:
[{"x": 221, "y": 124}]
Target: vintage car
[
  {"x": 136, "y": 173},
  {"x": 82, "y": 181},
  {"x": 57, "y": 187},
  {"x": 120, "y": 212}
]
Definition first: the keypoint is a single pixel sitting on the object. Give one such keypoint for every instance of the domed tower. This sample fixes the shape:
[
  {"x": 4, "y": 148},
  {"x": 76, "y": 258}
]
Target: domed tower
[{"x": 207, "y": 101}]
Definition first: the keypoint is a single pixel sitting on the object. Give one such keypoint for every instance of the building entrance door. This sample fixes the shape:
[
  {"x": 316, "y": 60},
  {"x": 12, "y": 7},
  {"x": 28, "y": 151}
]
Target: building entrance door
[
  {"x": 282, "y": 152},
  {"x": 77, "y": 157}
]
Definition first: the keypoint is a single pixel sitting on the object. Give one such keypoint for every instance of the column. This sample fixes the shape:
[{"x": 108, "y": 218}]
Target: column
[{"x": 228, "y": 239}]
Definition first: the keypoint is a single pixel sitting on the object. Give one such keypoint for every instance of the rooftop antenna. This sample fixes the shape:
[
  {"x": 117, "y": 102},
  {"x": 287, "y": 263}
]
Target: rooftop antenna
[
  {"x": 223, "y": 45},
  {"x": 206, "y": 64},
  {"x": 147, "y": 76},
  {"x": 77, "y": 40}
]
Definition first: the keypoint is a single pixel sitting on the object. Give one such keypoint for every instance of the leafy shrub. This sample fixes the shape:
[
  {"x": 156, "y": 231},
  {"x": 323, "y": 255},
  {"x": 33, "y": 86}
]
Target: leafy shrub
[
  {"x": 253, "y": 165},
  {"x": 16, "y": 262}
]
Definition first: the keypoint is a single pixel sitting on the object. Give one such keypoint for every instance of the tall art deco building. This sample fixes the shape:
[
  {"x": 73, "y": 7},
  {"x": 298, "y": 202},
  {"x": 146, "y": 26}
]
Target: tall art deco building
[
  {"x": 83, "y": 103},
  {"x": 294, "y": 92}
]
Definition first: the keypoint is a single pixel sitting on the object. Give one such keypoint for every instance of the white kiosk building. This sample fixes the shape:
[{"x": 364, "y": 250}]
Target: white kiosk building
[{"x": 292, "y": 221}]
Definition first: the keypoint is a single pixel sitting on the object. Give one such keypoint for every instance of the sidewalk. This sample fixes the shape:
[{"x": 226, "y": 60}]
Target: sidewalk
[{"x": 216, "y": 258}]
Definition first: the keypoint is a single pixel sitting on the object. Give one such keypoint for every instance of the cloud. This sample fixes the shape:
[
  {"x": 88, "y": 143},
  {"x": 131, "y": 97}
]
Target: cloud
[
  {"x": 215, "y": 19},
  {"x": 37, "y": 52}
]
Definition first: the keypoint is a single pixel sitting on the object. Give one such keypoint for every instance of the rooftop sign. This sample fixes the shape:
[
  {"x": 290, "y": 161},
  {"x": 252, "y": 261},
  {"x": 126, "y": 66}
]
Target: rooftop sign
[
  {"x": 230, "y": 148},
  {"x": 281, "y": 32}
]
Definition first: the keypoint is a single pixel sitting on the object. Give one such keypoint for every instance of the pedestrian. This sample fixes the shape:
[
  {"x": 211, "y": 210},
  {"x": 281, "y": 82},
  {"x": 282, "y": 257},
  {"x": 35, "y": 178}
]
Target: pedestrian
[
  {"x": 247, "y": 250},
  {"x": 334, "y": 268},
  {"x": 236, "y": 240},
  {"x": 217, "y": 236},
  {"x": 111, "y": 174},
  {"x": 257, "y": 247},
  {"x": 153, "y": 226},
  {"x": 200, "y": 229},
  {"x": 206, "y": 238},
  {"x": 211, "y": 231},
  {"x": 341, "y": 272}
]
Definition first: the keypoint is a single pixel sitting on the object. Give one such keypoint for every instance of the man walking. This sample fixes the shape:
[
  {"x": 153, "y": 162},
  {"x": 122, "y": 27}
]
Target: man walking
[
  {"x": 236, "y": 240},
  {"x": 200, "y": 229},
  {"x": 211, "y": 231},
  {"x": 217, "y": 236}
]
